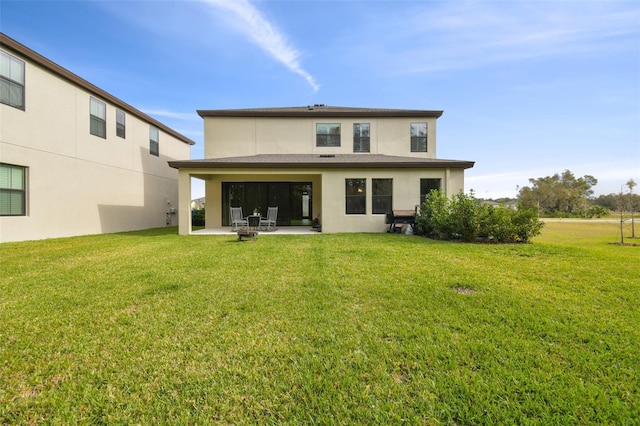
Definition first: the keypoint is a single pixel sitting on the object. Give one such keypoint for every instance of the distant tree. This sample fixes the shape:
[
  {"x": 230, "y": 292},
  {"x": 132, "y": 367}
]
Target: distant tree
[
  {"x": 597, "y": 211},
  {"x": 607, "y": 200},
  {"x": 558, "y": 195},
  {"x": 631, "y": 184},
  {"x": 621, "y": 210},
  {"x": 610, "y": 201}
]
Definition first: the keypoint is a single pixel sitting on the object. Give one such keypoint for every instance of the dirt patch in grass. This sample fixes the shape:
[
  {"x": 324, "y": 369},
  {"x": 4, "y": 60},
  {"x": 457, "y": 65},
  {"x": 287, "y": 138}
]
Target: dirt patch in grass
[{"x": 464, "y": 290}]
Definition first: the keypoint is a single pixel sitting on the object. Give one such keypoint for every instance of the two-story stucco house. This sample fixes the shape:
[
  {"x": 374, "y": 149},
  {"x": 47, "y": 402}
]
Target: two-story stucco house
[
  {"x": 74, "y": 159},
  {"x": 347, "y": 167}
]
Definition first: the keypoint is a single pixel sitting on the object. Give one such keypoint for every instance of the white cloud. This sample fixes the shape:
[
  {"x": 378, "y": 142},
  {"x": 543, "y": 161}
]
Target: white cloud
[
  {"x": 463, "y": 35},
  {"x": 264, "y": 34}
]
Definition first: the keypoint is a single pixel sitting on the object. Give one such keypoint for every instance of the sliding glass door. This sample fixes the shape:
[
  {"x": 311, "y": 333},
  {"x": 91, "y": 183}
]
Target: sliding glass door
[{"x": 293, "y": 199}]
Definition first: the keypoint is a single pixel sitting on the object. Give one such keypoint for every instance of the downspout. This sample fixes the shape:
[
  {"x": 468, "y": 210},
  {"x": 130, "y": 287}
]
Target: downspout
[{"x": 447, "y": 177}]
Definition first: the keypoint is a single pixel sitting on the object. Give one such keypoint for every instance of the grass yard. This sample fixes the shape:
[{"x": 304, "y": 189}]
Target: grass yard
[{"x": 154, "y": 328}]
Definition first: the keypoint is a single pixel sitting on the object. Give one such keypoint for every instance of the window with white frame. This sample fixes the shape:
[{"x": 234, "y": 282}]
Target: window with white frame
[
  {"x": 11, "y": 81},
  {"x": 328, "y": 134},
  {"x": 120, "y": 124},
  {"x": 97, "y": 118},
  {"x": 13, "y": 190},
  {"x": 419, "y": 137},
  {"x": 361, "y": 137},
  {"x": 154, "y": 141}
]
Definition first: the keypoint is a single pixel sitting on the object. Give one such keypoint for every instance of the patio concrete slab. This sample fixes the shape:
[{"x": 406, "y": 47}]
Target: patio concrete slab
[{"x": 283, "y": 230}]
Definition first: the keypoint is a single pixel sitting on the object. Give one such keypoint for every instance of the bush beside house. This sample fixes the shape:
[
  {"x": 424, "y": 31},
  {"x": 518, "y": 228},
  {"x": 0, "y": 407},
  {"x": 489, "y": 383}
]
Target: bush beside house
[{"x": 464, "y": 218}]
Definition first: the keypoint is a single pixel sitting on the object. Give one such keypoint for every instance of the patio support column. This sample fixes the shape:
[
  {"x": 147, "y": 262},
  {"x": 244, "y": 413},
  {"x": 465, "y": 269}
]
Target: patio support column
[{"x": 184, "y": 202}]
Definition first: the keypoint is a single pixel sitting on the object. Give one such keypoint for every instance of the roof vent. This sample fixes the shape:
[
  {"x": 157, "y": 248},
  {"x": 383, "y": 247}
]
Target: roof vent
[{"x": 327, "y": 156}]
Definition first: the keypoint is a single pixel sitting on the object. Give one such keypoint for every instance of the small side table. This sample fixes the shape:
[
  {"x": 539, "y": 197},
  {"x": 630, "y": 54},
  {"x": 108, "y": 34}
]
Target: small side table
[{"x": 253, "y": 221}]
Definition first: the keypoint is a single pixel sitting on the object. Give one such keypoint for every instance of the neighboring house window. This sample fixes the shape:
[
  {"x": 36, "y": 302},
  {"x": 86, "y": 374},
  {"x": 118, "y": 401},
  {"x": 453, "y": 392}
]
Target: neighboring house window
[
  {"x": 356, "y": 196},
  {"x": 327, "y": 134},
  {"x": 12, "y": 190},
  {"x": 426, "y": 186},
  {"x": 11, "y": 81},
  {"x": 120, "y": 124},
  {"x": 418, "y": 137},
  {"x": 361, "y": 137},
  {"x": 154, "y": 141},
  {"x": 98, "y": 118},
  {"x": 382, "y": 195}
]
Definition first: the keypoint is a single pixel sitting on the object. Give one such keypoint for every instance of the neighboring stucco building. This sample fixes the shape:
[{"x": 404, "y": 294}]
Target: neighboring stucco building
[
  {"x": 74, "y": 159},
  {"x": 347, "y": 167}
]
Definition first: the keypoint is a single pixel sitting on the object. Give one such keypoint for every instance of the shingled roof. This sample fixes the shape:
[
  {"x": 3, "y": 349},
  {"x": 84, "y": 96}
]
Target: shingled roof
[
  {"x": 323, "y": 161},
  {"x": 319, "y": 110}
]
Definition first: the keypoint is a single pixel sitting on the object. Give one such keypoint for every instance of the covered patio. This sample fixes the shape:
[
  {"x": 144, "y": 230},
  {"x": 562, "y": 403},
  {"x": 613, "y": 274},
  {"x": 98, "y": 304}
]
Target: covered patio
[{"x": 312, "y": 188}]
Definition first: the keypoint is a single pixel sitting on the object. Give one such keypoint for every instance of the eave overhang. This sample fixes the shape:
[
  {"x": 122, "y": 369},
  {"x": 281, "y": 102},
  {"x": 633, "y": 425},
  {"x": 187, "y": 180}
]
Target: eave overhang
[
  {"x": 321, "y": 111},
  {"x": 316, "y": 161}
]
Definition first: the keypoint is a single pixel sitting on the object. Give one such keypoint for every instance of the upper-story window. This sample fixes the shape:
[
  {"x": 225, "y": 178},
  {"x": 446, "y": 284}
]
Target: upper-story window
[
  {"x": 361, "y": 137},
  {"x": 154, "y": 141},
  {"x": 11, "y": 81},
  {"x": 13, "y": 190},
  {"x": 328, "y": 134},
  {"x": 98, "y": 118},
  {"x": 120, "y": 123},
  {"x": 419, "y": 137}
]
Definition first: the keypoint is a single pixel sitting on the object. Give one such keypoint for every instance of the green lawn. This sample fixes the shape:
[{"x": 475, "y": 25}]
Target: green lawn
[{"x": 154, "y": 328}]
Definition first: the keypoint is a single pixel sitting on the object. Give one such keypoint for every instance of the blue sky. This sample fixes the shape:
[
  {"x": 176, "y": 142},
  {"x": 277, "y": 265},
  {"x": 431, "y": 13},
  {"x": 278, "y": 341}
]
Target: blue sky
[{"x": 528, "y": 88}]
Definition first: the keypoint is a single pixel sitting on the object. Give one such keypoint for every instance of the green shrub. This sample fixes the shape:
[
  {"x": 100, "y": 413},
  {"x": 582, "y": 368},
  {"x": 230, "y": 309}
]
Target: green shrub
[
  {"x": 598, "y": 211},
  {"x": 197, "y": 217},
  {"x": 433, "y": 220},
  {"x": 496, "y": 223},
  {"x": 463, "y": 218},
  {"x": 526, "y": 225},
  {"x": 464, "y": 212}
]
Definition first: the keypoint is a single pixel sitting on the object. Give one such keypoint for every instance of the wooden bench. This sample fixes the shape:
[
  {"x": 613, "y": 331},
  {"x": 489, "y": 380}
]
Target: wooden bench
[{"x": 247, "y": 233}]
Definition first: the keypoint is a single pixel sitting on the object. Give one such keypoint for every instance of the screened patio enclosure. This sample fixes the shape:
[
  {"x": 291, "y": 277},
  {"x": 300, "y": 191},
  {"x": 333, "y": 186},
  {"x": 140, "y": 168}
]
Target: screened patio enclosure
[{"x": 293, "y": 199}]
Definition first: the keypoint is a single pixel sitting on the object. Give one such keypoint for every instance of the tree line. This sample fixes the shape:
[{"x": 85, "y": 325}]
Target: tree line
[
  {"x": 463, "y": 217},
  {"x": 565, "y": 195}
]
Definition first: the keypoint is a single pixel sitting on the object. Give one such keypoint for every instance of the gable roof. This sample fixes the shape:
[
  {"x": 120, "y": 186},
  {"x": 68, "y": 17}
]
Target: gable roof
[
  {"x": 12, "y": 45},
  {"x": 324, "y": 161},
  {"x": 319, "y": 110}
]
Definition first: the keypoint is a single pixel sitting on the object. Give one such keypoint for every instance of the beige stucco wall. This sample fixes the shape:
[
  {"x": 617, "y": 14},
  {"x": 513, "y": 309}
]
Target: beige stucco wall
[
  {"x": 79, "y": 183},
  {"x": 237, "y": 136},
  {"x": 406, "y": 195},
  {"x": 328, "y": 193}
]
